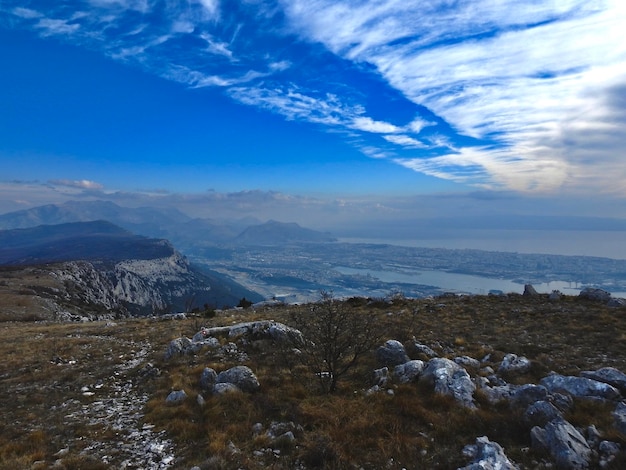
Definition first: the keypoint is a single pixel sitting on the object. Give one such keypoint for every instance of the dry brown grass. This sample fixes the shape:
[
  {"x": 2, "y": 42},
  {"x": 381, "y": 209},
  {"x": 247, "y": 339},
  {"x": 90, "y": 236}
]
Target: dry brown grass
[{"x": 46, "y": 364}]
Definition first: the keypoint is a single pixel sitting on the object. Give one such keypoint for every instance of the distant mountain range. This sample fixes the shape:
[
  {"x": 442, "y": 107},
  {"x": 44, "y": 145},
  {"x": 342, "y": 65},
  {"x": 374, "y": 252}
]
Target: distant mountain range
[
  {"x": 86, "y": 241},
  {"x": 105, "y": 267},
  {"x": 186, "y": 233},
  {"x": 273, "y": 233}
]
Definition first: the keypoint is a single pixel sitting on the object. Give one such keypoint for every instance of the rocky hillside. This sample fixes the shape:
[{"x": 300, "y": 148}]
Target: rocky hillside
[
  {"x": 96, "y": 270},
  {"x": 454, "y": 382}
]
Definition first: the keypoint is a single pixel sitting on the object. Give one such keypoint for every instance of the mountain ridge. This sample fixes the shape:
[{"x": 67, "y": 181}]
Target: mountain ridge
[{"x": 100, "y": 268}]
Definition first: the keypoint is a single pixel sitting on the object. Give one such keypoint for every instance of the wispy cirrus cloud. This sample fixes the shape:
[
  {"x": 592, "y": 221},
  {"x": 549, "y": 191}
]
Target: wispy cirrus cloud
[
  {"x": 523, "y": 75},
  {"x": 521, "y": 95}
]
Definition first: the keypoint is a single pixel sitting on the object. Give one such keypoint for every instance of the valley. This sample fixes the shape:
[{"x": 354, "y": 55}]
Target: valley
[{"x": 296, "y": 272}]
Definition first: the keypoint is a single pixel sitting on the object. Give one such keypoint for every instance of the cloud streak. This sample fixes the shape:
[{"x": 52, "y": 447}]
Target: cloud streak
[{"x": 522, "y": 75}]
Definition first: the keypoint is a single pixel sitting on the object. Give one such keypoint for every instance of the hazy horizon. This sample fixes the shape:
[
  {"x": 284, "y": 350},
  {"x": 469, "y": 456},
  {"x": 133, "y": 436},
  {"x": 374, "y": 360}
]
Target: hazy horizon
[{"x": 333, "y": 114}]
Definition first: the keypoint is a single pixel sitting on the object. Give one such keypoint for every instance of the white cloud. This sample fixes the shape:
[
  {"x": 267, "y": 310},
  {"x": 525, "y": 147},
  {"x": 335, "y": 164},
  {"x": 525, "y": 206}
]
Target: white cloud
[
  {"x": 80, "y": 184},
  {"x": 418, "y": 124},
  {"x": 211, "y": 7},
  {"x": 52, "y": 27},
  {"x": 26, "y": 13},
  {"x": 138, "y": 5},
  {"x": 367, "y": 124},
  {"x": 405, "y": 141},
  {"x": 295, "y": 104},
  {"x": 527, "y": 75}
]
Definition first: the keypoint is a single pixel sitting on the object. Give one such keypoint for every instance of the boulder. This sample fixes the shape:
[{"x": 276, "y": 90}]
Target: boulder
[
  {"x": 467, "y": 361},
  {"x": 449, "y": 378},
  {"x": 513, "y": 364},
  {"x": 563, "y": 442},
  {"x": 408, "y": 372},
  {"x": 419, "y": 348},
  {"x": 579, "y": 387},
  {"x": 392, "y": 354},
  {"x": 616, "y": 302},
  {"x": 608, "y": 375},
  {"x": 257, "y": 330},
  {"x": 528, "y": 394},
  {"x": 201, "y": 338},
  {"x": 530, "y": 291},
  {"x": 284, "y": 432},
  {"x": 608, "y": 452},
  {"x": 208, "y": 378},
  {"x": 436, "y": 367},
  {"x": 487, "y": 455},
  {"x": 619, "y": 415},
  {"x": 591, "y": 293},
  {"x": 499, "y": 393},
  {"x": 555, "y": 295},
  {"x": 225, "y": 388},
  {"x": 176, "y": 397},
  {"x": 240, "y": 376},
  {"x": 541, "y": 413},
  {"x": 381, "y": 376},
  {"x": 178, "y": 347},
  {"x": 200, "y": 400},
  {"x": 184, "y": 345}
]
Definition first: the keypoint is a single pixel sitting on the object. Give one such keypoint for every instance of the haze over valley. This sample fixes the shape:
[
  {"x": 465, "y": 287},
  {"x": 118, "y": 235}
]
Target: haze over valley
[{"x": 285, "y": 261}]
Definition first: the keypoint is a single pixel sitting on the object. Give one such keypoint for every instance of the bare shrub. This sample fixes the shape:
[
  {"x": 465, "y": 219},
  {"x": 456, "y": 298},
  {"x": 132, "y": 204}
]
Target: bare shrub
[{"x": 336, "y": 337}]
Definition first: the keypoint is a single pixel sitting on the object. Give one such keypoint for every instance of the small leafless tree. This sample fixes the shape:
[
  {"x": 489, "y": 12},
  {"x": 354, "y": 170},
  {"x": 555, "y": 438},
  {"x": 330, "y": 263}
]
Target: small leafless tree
[{"x": 336, "y": 337}]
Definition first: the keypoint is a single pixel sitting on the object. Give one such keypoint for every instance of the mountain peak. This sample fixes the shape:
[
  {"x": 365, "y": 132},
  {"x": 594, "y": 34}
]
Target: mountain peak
[{"x": 274, "y": 232}]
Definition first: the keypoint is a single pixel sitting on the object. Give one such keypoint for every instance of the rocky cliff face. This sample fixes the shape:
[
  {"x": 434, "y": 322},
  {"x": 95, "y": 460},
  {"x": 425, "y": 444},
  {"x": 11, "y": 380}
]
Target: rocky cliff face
[
  {"x": 133, "y": 286},
  {"x": 96, "y": 269}
]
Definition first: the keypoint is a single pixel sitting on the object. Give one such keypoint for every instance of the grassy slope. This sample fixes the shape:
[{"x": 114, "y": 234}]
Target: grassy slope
[{"x": 45, "y": 365}]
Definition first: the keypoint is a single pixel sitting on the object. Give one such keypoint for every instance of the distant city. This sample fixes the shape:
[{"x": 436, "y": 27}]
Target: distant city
[{"x": 298, "y": 271}]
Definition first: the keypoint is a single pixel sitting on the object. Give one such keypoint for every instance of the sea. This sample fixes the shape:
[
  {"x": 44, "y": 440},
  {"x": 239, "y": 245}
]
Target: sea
[{"x": 604, "y": 244}]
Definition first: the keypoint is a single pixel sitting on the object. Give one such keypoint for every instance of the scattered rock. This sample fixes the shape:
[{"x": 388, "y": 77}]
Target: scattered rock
[
  {"x": 178, "y": 346},
  {"x": 392, "y": 354},
  {"x": 62, "y": 453},
  {"x": 423, "y": 349},
  {"x": 514, "y": 364},
  {"x": 499, "y": 393},
  {"x": 208, "y": 378},
  {"x": 619, "y": 415},
  {"x": 563, "y": 443},
  {"x": 580, "y": 387},
  {"x": 225, "y": 388},
  {"x": 591, "y": 293},
  {"x": 283, "y": 432},
  {"x": 467, "y": 361},
  {"x": 450, "y": 379},
  {"x": 240, "y": 376},
  {"x": 408, "y": 372},
  {"x": 487, "y": 455},
  {"x": 555, "y": 295},
  {"x": 608, "y": 451},
  {"x": 616, "y": 302},
  {"x": 541, "y": 413},
  {"x": 149, "y": 371},
  {"x": 528, "y": 394},
  {"x": 529, "y": 290},
  {"x": 381, "y": 376},
  {"x": 176, "y": 397},
  {"x": 200, "y": 400},
  {"x": 593, "y": 436},
  {"x": 608, "y": 375},
  {"x": 258, "y": 330}
]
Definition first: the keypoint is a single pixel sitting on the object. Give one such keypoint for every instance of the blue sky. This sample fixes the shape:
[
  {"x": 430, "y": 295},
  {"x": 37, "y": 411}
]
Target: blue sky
[{"x": 342, "y": 101}]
